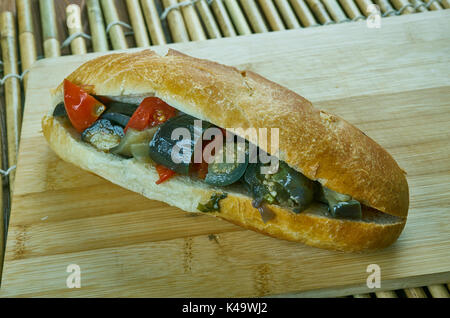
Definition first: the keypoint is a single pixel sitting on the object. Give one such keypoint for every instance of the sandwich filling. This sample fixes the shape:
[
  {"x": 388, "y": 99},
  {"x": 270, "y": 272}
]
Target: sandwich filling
[{"x": 147, "y": 133}]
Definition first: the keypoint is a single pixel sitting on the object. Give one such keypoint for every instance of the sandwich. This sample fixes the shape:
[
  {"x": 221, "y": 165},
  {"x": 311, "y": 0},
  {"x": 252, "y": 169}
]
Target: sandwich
[{"x": 209, "y": 138}]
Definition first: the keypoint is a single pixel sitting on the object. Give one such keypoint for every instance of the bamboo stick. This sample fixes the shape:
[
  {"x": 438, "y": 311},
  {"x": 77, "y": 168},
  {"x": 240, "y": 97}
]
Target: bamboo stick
[
  {"x": 254, "y": 16},
  {"x": 386, "y": 294},
  {"x": 418, "y": 5},
  {"x": 362, "y": 296},
  {"x": 445, "y": 3},
  {"x": 12, "y": 89},
  {"x": 433, "y": 5},
  {"x": 192, "y": 21},
  {"x": 415, "y": 292},
  {"x": 319, "y": 11},
  {"x": 208, "y": 19},
  {"x": 335, "y": 10},
  {"x": 176, "y": 23},
  {"x": 290, "y": 20},
  {"x": 73, "y": 13},
  {"x": 272, "y": 15},
  {"x": 116, "y": 33},
  {"x": 222, "y": 17},
  {"x": 97, "y": 26},
  {"x": 137, "y": 21},
  {"x": 364, "y": 6},
  {"x": 303, "y": 13},
  {"x": 49, "y": 28},
  {"x": 438, "y": 291},
  {"x": 27, "y": 42},
  {"x": 238, "y": 17},
  {"x": 153, "y": 22},
  {"x": 399, "y": 4},
  {"x": 385, "y": 7},
  {"x": 351, "y": 10}
]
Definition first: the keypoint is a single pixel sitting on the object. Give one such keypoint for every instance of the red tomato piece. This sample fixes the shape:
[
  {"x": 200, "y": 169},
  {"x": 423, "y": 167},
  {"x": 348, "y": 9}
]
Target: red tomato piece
[
  {"x": 83, "y": 109},
  {"x": 151, "y": 112},
  {"x": 164, "y": 173}
]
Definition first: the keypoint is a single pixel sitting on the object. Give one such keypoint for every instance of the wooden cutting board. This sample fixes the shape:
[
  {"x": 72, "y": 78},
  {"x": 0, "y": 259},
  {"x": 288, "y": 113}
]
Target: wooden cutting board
[{"x": 391, "y": 82}]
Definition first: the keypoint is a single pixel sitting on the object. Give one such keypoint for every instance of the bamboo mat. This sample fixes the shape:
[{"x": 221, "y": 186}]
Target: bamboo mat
[{"x": 36, "y": 29}]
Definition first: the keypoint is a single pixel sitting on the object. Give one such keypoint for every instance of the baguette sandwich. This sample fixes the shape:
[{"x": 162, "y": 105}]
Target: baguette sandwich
[{"x": 330, "y": 185}]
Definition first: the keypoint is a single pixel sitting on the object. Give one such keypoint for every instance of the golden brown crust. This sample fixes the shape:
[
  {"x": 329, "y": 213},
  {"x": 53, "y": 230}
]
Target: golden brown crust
[
  {"x": 311, "y": 227},
  {"x": 322, "y": 146}
]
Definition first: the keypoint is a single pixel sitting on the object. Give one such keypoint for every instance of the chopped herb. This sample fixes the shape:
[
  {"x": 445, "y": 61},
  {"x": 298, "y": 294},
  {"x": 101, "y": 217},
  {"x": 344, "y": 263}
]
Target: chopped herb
[{"x": 213, "y": 204}]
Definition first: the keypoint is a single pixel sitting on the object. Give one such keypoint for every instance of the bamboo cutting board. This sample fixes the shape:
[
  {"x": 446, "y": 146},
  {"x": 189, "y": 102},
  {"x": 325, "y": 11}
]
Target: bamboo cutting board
[{"x": 391, "y": 82}]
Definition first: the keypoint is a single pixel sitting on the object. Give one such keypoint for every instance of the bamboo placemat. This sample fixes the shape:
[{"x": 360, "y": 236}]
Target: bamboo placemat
[{"x": 35, "y": 29}]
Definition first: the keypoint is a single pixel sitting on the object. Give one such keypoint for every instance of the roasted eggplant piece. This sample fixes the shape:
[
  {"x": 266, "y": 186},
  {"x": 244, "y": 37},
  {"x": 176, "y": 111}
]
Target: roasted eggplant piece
[
  {"x": 122, "y": 108},
  {"x": 140, "y": 152},
  {"x": 133, "y": 137},
  {"x": 223, "y": 171},
  {"x": 340, "y": 205},
  {"x": 103, "y": 135},
  {"x": 162, "y": 144},
  {"x": 286, "y": 187},
  {"x": 60, "y": 110},
  {"x": 300, "y": 188},
  {"x": 117, "y": 118}
]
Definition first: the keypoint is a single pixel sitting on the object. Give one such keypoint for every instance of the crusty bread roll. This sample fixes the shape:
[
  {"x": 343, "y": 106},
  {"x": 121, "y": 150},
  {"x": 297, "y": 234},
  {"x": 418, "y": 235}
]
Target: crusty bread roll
[{"x": 320, "y": 145}]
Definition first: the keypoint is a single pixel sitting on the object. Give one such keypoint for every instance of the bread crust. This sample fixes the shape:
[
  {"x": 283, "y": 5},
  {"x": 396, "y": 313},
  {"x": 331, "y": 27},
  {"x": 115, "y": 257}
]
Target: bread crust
[
  {"x": 311, "y": 227},
  {"x": 322, "y": 146}
]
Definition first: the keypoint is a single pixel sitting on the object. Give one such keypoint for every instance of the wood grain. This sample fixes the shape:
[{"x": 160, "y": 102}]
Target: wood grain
[{"x": 127, "y": 245}]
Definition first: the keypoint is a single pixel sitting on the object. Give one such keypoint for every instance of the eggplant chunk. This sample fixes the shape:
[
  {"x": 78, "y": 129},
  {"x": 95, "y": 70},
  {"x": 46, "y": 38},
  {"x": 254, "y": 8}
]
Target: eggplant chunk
[
  {"x": 162, "y": 145},
  {"x": 116, "y": 118},
  {"x": 141, "y": 152},
  {"x": 122, "y": 108},
  {"x": 133, "y": 137},
  {"x": 103, "y": 135},
  {"x": 60, "y": 110},
  {"x": 300, "y": 188},
  {"x": 348, "y": 210},
  {"x": 223, "y": 172},
  {"x": 340, "y": 205},
  {"x": 286, "y": 187}
]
